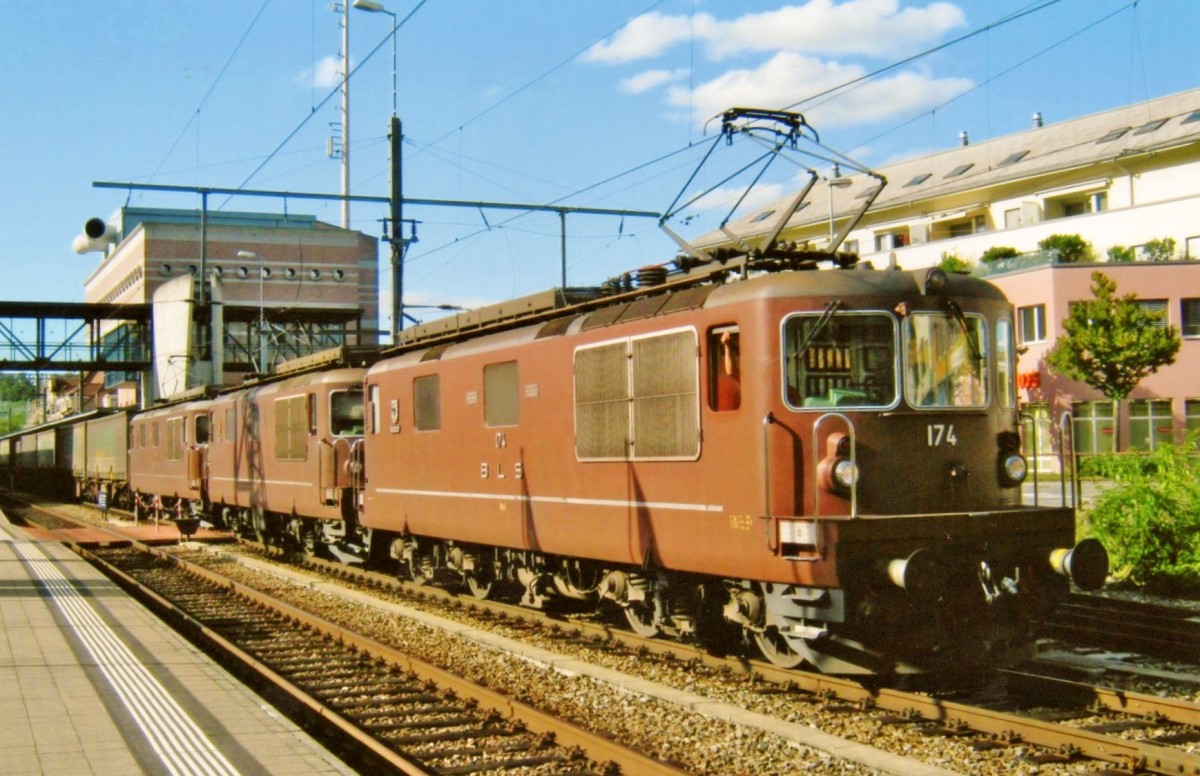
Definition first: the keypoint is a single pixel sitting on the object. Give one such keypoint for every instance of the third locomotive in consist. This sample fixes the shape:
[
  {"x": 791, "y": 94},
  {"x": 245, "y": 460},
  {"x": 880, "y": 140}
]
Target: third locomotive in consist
[{"x": 825, "y": 464}]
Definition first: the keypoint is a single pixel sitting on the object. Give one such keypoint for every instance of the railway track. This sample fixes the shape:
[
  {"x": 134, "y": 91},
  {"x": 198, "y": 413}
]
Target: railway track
[
  {"x": 1134, "y": 733},
  {"x": 379, "y": 707},
  {"x": 1118, "y": 624}
]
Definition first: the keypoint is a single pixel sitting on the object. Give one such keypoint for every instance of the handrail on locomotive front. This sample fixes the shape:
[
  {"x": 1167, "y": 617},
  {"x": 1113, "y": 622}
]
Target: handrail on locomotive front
[
  {"x": 1066, "y": 423},
  {"x": 1066, "y": 429}
]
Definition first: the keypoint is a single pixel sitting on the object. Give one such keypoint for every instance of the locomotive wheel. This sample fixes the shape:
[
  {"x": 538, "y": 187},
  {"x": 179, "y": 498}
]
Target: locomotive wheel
[
  {"x": 640, "y": 616},
  {"x": 480, "y": 585},
  {"x": 420, "y": 570},
  {"x": 776, "y": 650}
]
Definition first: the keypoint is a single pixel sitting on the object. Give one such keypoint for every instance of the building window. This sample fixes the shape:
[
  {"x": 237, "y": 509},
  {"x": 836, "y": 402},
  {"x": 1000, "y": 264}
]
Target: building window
[
  {"x": 1012, "y": 218},
  {"x": 1013, "y": 158},
  {"x": 959, "y": 170},
  {"x": 850, "y": 246},
  {"x": 917, "y": 180},
  {"x": 1150, "y": 424},
  {"x": 1189, "y": 317},
  {"x": 1156, "y": 308},
  {"x": 1149, "y": 127},
  {"x": 1076, "y": 204},
  {"x": 1032, "y": 323},
  {"x": 887, "y": 241},
  {"x": 1115, "y": 134},
  {"x": 1191, "y": 419},
  {"x": 1094, "y": 426}
]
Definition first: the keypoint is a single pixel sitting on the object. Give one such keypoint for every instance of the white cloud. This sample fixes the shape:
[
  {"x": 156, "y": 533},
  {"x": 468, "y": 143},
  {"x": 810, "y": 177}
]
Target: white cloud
[
  {"x": 326, "y": 74},
  {"x": 787, "y": 78},
  {"x": 651, "y": 79},
  {"x": 646, "y": 36},
  {"x": 864, "y": 27},
  {"x": 875, "y": 28}
]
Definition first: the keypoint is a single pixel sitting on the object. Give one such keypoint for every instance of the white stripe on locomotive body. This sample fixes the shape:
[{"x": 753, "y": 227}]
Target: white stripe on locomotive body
[{"x": 587, "y": 502}]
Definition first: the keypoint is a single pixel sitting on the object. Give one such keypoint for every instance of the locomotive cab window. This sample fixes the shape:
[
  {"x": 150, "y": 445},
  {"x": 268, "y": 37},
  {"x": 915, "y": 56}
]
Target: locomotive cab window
[
  {"x": 841, "y": 360},
  {"x": 947, "y": 360},
  {"x": 346, "y": 412},
  {"x": 1006, "y": 389},
  {"x": 724, "y": 369},
  {"x": 201, "y": 429}
]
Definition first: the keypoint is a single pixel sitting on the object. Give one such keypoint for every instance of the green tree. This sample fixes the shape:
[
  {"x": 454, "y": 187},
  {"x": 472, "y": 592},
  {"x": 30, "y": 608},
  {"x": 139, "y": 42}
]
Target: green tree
[
  {"x": 998, "y": 252},
  {"x": 1122, "y": 253},
  {"x": 952, "y": 262},
  {"x": 1150, "y": 519},
  {"x": 1111, "y": 343},
  {"x": 1071, "y": 248},
  {"x": 17, "y": 388},
  {"x": 1160, "y": 250}
]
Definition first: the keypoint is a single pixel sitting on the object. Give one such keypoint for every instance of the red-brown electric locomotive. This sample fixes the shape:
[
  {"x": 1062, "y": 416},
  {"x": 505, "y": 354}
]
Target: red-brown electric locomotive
[{"x": 826, "y": 461}]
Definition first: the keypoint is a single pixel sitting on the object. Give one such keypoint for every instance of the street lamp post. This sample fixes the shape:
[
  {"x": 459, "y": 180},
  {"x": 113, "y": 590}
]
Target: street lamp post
[{"x": 374, "y": 7}]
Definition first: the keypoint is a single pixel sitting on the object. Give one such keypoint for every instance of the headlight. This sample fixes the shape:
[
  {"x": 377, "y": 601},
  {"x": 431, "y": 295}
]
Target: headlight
[
  {"x": 845, "y": 473},
  {"x": 1015, "y": 468}
]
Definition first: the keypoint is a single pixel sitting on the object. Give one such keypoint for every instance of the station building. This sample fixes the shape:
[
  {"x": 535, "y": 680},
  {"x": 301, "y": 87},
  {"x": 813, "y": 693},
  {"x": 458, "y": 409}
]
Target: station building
[
  {"x": 280, "y": 286},
  {"x": 1126, "y": 180}
]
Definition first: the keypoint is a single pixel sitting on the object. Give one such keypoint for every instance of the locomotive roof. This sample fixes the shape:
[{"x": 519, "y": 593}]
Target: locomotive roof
[
  {"x": 67, "y": 421},
  {"x": 820, "y": 285},
  {"x": 850, "y": 283}
]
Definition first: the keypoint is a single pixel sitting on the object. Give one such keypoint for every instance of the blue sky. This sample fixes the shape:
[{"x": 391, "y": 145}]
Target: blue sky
[{"x": 565, "y": 101}]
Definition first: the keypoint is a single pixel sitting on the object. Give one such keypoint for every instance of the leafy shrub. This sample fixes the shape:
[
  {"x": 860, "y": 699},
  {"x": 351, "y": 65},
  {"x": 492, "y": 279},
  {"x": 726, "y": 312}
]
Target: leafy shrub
[
  {"x": 1122, "y": 253},
  {"x": 952, "y": 262},
  {"x": 1149, "y": 521},
  {"x": 998, "y": 252},
  {"x": 1160, "y": 250},
  {"x": 1071, "y": 248}
]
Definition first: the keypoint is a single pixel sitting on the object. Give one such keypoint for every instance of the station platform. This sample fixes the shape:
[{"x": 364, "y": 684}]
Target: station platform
[{"x": 92, "y": 683}]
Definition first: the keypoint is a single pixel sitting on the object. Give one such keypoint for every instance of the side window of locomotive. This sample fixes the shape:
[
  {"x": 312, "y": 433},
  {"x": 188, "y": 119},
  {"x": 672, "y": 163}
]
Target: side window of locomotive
[
  {"x": 843, "y": 360},
  {"x": 154, "y": 435},
  {"x": 291, "y": 428},
  {"x": 724, "y": 369},
  {"x": 175, "y": 441},
  {"x": 501, "y": 395},
  {"x": 201, "y": 431},
  {"x": 346, "y": 412},
  {"x": 946, "y": 364},
  {"x": 375, "y": 410},
  {"x": 1006, "y": 393},
  {"x": 231, "y": 424},
  {"x": 427, "y": 403}
]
